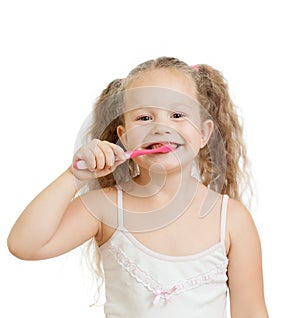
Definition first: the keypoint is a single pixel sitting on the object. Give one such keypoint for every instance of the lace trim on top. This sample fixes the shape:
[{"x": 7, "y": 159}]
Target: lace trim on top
[{"x": 155, "y": 287}]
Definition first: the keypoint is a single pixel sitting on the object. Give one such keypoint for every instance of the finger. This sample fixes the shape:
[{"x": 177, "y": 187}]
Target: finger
[
  {"x": 100, "y": 159},
  {"x": 119, "y": 153},
  {"x": 88, "y": 158},
  {"x": 109, "y": 154}
]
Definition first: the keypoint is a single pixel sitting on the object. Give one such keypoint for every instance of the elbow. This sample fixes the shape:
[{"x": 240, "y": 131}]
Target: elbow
[
  {"x": 16, "y": 249},
  {"x": 25, "y": 252},
  {"x": 13, "y": 248}
]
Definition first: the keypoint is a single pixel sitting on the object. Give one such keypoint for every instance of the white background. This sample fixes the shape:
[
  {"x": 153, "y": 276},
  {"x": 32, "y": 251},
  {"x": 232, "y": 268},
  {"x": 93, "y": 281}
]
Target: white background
[{"x": 56, "y": 57}]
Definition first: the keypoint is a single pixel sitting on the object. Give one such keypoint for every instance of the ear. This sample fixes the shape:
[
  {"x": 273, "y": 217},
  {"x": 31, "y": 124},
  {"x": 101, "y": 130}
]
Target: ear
[
  {"x": 121, "y": 134},
  {"x": 206, "y": 131}
]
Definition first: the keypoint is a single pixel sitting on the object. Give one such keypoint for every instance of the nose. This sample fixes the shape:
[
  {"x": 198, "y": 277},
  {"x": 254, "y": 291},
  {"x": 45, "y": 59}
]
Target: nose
[{"x": 160, "y": 129}]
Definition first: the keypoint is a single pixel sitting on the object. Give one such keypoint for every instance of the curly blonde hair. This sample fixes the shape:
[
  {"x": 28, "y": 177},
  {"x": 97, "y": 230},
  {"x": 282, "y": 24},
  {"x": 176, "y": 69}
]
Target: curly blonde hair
[
  {"x": 213, "y": 95},
  {"x": 230, "y": 176}
]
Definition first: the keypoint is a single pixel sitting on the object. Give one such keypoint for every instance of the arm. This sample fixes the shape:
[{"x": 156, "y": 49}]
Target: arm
[
  {"x": 53, "y": 223},
  {"x": 245, "y": 277}
]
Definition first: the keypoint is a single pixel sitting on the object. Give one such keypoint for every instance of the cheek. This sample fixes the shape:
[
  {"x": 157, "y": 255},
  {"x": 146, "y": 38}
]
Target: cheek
[
  {"x": 193, "y": 138},
  {"x": 192, "y": 133},
  {"x": 133, "y": 136}
]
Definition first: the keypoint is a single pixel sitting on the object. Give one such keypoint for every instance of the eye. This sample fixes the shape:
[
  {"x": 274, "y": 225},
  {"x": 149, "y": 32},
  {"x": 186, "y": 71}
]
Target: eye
[
  {"x": 144, "y": 118},
  {"x": 177, "y": 115}
]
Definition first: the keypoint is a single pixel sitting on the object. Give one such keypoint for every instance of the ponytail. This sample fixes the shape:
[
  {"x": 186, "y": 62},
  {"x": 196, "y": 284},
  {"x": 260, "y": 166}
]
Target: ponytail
[{"x": 214, "y": 97}]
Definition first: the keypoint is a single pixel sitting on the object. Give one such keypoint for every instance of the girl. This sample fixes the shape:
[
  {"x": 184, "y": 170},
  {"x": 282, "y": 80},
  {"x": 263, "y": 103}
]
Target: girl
[{"x": 170, "y": 228}]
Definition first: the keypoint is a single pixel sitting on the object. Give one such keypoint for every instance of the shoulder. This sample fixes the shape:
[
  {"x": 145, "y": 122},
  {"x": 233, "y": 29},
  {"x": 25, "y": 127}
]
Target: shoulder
[
  {"x": 94, "y": 202},
  {"x": 103, "y": 196},
  {"x": 241, "y": 227},
  {"x": 239, "y": 217},
  {"x": 101, "y": 204}
]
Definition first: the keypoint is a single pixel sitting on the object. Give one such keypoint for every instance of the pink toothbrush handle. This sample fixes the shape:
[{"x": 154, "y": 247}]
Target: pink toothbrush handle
[
  {"x": 81, "y": 164},
  {"x": 137, "y": 153}
]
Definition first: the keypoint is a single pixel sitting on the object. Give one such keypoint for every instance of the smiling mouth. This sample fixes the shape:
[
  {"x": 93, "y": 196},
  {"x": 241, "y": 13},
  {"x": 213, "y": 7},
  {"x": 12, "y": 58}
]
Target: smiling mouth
[{"x": 160, "y": 144}]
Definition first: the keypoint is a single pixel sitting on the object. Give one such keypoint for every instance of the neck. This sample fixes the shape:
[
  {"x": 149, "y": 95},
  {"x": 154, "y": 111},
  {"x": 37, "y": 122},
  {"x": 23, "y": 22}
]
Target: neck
[
  {"x": 161, "y": 197},
  {"x": 158, "y": 182}
]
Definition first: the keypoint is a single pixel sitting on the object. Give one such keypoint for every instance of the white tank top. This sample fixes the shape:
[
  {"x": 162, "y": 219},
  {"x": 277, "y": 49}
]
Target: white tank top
[{"x": 142, "y": 283}]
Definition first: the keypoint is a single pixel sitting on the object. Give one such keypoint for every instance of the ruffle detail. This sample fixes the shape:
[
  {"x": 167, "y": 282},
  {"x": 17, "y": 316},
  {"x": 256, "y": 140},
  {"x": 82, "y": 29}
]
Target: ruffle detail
[{"x": 215, "y": 275}]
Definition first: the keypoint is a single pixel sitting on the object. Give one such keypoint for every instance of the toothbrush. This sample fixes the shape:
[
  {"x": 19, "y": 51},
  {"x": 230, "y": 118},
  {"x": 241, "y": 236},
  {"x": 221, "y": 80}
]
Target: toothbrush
[{"x": 81, "y": 164}]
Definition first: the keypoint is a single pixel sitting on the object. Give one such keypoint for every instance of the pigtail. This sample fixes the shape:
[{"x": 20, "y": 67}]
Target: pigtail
[
  {"x": 107, "y": 116},
  {"x": 230, "y": 176},
  {"x": 106, "y": 113}
]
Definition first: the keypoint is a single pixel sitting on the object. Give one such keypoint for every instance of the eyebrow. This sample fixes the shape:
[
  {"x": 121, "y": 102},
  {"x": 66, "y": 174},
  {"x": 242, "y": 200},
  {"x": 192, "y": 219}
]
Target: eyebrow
[{"x": 171, "y": 107}]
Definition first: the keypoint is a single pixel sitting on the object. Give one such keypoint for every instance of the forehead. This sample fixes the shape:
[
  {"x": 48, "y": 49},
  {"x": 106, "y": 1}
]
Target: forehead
[
  {"x": 162, "y": 88},
  {"x": 165, "y": 77}
]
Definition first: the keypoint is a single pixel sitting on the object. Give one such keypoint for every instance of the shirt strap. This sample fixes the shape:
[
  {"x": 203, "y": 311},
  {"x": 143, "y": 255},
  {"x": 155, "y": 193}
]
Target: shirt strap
[
  {"x": 223, "y": 218},
  {"x": 120, "y": 207}
]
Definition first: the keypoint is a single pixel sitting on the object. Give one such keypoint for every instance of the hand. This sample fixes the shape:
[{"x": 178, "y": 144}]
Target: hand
[{"x": 101, "y": 158}]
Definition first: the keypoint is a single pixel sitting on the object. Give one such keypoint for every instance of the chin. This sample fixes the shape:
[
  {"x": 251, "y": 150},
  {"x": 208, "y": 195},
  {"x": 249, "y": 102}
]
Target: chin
[{"x": 168, "y": 167}]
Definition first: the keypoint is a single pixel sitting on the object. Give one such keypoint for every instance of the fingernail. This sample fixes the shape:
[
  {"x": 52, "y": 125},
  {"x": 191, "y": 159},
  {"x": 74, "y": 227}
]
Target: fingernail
[{"x": 80, "y": 164}]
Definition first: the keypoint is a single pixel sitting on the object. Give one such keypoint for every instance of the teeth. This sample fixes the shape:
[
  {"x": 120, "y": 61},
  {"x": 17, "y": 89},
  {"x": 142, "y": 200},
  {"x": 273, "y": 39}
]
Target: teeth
[{"x": 155, "y": 146}]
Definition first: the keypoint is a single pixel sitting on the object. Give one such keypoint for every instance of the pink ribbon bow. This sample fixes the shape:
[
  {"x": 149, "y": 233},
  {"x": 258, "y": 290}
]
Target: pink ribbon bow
[{"x": 165, "y": 294}]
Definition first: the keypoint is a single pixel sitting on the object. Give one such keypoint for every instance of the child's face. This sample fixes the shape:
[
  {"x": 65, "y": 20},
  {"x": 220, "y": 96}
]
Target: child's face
[{"x": 161, "y": 108}]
